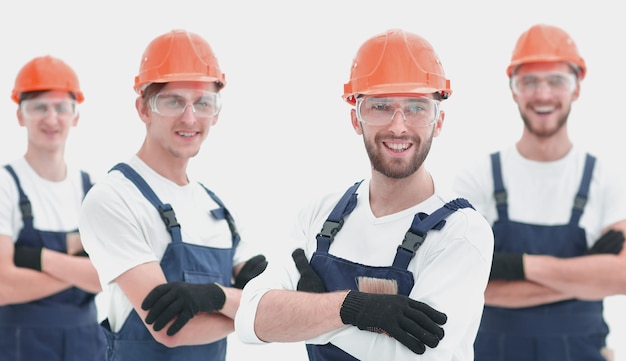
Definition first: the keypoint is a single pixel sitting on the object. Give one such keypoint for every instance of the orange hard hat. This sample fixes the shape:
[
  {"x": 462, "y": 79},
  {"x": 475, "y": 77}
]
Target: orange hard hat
[
  {"x": 178, "y": 55},
  {"x": 46, "y": 73},
  {"x": 396, "y": 62},
  {"x": 546, "y": 43}
]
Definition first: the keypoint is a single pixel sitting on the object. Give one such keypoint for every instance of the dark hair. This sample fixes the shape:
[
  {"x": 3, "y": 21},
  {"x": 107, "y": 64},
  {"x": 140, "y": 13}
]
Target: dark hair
[
  {"x": 35, "y": 93},
  {"x": 150, "y": 91}
]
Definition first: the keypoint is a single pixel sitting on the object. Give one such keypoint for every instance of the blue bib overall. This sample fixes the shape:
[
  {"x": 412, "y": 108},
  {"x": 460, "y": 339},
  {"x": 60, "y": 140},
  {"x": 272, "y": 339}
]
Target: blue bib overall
[
  {"x": 570, "y": 330},
  {"x": 181, "y": 262},
  {"x": 342, "y": 274},
  {"x": 63, "y": 326}
]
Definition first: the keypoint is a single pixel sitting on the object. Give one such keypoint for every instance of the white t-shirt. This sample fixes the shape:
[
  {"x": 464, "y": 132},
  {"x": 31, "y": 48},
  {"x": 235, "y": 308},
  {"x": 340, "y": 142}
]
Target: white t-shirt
[
  {"x": 55, "y": 205},
  {"x": 121, "y": 229},
  {"x": 542, "y": 193},
  {"x": 451, "y": 270}
]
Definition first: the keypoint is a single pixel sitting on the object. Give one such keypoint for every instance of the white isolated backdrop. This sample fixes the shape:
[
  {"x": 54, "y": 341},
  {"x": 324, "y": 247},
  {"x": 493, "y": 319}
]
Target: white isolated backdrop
[{"x": 284, "y": 134}]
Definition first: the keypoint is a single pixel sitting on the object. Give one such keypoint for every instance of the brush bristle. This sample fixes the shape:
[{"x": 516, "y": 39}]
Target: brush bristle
[{"x": 377, "y": 285}]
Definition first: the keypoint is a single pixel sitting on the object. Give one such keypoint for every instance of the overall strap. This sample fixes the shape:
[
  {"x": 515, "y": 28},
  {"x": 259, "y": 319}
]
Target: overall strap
[
  {"x": 224, "y": 213},
  {"x": 165, "y": 210},
  {"x": 422, "y": 223},
  {"x": 583, "y": 192},
  {"x": 86, "y": 180},
  {"x": 499, "y": 192},
  {"x": 334, "y": 222},
  {"x": 25, "y": 206}
]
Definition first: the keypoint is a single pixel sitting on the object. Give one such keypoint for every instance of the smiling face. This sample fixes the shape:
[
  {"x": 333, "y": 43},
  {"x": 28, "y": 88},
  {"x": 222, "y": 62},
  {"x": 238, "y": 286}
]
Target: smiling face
[
  {"x": 48, "y": 118},
  {"x": 544, "y": 93},
  {"x": 398, "y": 148},
  {"x": 176, "y": 119}
]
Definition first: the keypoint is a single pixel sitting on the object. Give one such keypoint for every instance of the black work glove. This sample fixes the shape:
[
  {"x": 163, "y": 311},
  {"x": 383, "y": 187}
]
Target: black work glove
[
  {"x": 414, "y": 324},
  {"x": 309, "y": 280},
  {"x": 611, "y": 242},
  {"x": 507, "y": 266},
  {"x": 253, "y": 267},
  {"x": 181, "y": 300},
  {"x": 28, "y": 257},
  {"x": 81, "y": 254}
]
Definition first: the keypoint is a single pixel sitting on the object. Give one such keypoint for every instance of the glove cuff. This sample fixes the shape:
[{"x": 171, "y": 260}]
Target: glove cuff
[
  {"x": 508, "y": 266},
  {"x": 28, "y": 257},
  {"x": 351, "y": 306}
]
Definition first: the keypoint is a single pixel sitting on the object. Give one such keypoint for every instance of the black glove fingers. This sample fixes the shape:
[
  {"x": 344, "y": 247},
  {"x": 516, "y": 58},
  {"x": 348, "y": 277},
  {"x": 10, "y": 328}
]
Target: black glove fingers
[
  {"x": 299, "y": 258},
  {"x": 165, "y": 304},
  {"x": 163, "y": 317},
  {"x": 255, "y": 265},
  {"x": 611, "y": 238},
  {"x": 259, "y": 259},
  {"x": 406, "y": 320},
  {"x": 423, "y": 323},
  {"x": 420, "y": 333},
  {"x": 614, "y": 235},
  {"x": 252, "y": 268},
  {"x": 611, "y": 242},
  {"x": 154, "y": 296},
  {"x": 421, "y": 326},
  {"x": 613, "y": 248},
  {"x": 439, "y": 318},
  {"x": 618, "y": 241},
  {"x": 309, "y": 280},
  {"x": 180, "y": 322},
  {"x": 412, "y": 343}
]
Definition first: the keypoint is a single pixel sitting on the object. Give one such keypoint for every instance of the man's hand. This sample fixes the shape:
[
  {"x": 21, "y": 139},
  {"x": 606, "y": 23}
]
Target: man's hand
[
  {"x": 414, "y": 324},
  {"x": 252, "y": 268},
  {"x": 182, "y": 301},
  {"x": 28, "y": 257},
  {"x": 611, "y": 242},
  {"x": 309, "y": 280},
  {"x": 507, "y": 266}
]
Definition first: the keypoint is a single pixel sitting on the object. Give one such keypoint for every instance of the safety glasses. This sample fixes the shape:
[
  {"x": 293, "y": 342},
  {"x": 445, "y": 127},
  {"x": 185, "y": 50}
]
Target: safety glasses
[
  {"x": 556, "y": 83},
  {"x": 417, "y": 111},
  {"x": 174, "y": 103},
  {"x": 41, "y": 108}
]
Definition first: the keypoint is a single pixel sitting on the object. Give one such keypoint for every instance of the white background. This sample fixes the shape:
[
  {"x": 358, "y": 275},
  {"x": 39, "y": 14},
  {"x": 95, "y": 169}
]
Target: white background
[{"x": 284, "y": 135}]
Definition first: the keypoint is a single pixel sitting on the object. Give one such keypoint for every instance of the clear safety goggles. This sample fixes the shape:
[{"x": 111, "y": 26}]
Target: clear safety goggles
[
  {"x": 417, "y": 111},
  {"x": 41, "y": 108},
  {"x": 557, "y": 83},
  {"x": 203, "y": 103}
]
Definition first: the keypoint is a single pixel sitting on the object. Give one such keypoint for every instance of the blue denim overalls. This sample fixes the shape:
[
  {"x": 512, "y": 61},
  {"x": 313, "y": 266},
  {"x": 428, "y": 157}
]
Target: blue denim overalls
[
  {"x": 564, "y": 331},
  {"x": 63, "y": 326},
  {"x": 342, "y": 274},
  {"x": 181, "y": 262}
]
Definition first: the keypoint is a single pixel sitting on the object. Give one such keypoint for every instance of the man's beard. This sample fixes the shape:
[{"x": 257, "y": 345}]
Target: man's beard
[
  {"x": 547, "y": 133},
  {"x": 395, "y": 168}
]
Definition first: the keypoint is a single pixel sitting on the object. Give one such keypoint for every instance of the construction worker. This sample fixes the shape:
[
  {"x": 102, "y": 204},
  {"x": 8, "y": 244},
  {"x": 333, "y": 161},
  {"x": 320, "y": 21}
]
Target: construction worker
[
  {"x": 558, "y": 215},
  {"x": 397, "y": 266},
  {"x": 162, "y": 243},
  {"x": 47, "y": 284}
]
